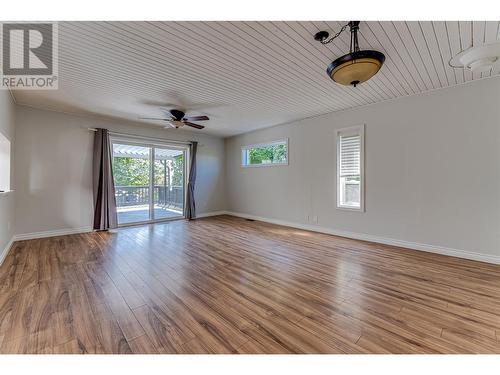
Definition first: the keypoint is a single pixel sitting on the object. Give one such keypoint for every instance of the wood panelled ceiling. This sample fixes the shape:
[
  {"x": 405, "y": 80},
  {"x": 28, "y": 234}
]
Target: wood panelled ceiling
[{"x": 245, "y": 75}]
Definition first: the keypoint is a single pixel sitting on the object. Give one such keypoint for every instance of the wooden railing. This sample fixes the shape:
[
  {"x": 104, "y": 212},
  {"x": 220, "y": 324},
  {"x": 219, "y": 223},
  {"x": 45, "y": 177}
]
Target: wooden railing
[{"x": 170, "y": 196}]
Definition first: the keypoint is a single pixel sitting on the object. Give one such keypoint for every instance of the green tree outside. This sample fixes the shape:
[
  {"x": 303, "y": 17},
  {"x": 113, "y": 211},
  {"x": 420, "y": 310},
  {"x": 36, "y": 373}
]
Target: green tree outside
[
  {"x": 178, "y": 170},
  {"x": 128, "y": 171},
  {"x": 268, "y": 154}
]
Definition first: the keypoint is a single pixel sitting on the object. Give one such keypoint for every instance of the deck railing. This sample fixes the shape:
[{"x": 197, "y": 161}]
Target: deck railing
[{"x": 169, "y": 196}]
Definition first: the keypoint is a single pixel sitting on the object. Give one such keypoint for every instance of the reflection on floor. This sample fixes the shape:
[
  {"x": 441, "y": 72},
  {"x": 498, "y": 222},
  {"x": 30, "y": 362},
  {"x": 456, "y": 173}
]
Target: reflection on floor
[{"x": 134, "y": 214}]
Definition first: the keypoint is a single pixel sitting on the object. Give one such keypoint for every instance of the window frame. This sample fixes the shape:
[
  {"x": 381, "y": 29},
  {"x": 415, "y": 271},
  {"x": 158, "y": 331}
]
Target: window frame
[
  {"x": 6, "y": 154},
  {"x": 152, "y": 144},
  {"x": 263, "y": 144},
  {"x": 352, "y": 130}
]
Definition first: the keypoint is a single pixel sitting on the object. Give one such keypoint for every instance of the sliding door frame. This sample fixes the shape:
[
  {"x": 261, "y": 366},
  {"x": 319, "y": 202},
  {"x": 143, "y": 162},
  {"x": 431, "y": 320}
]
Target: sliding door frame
[{"x": 152, "y": 145}]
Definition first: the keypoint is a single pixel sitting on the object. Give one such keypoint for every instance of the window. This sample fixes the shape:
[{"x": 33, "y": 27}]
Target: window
[
  {"x": 350, "y": 156},
  {"x": 4, "y": 163},
  {"x": 265, "y": 154}
]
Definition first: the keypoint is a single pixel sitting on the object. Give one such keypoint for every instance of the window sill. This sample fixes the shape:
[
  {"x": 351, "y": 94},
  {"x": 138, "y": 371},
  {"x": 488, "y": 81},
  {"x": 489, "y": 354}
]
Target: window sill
[
  {"x": 353, "y": 209},
  {"x": 264, "y": 165},
  {"x": 6, "y": 192}
]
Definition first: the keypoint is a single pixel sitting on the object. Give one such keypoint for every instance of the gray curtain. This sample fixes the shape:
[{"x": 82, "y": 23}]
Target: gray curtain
[
  {"x": 104, "y": 186},
  {"x": 190, "y": 204}
]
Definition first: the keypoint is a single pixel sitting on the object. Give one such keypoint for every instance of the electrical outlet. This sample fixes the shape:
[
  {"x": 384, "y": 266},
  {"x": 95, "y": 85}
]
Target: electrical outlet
[{"x": 315, "y": 219}]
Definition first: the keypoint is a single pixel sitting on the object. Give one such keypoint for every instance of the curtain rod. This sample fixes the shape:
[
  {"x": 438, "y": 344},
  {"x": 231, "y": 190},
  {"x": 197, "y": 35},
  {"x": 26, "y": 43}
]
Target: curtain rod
[{"x": 144, "y": 137}]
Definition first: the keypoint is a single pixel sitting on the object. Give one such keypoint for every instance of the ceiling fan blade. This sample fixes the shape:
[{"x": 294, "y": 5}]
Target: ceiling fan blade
[
  {"x": 196, "y": 118},
  {"x": 153, "y": 118},
  {"x": 193, "y": 125}
]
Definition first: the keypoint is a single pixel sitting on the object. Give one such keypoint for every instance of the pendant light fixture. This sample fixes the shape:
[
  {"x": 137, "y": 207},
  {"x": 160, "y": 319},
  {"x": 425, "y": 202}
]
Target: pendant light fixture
[{"x": 358, "y": 65}]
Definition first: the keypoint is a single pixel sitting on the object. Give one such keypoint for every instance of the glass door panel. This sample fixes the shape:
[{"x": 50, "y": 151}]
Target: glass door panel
[
  {"x": 168, "y": 196},
  {"x": 132, "y": 176}
]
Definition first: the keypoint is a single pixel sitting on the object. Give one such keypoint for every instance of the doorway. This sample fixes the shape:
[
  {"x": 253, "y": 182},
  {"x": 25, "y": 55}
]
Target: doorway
[{"x": 150, "y": 181}]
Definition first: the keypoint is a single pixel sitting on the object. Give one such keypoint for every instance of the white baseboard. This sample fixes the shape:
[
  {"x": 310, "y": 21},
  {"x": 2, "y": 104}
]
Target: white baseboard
[
  {"x": 208, "y": 214},
  {"x": 314, "y": 228},
  {"x": 64, "y": 232},
  {"x": 52, "y": 233},
  {"x": 5, "y": 251},
  {"x": 383, "y": 240}
]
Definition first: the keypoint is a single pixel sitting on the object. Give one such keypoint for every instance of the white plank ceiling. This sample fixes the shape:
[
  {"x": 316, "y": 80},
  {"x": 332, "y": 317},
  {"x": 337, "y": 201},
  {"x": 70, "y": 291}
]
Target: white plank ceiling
[{"x": 245, "y": 75}]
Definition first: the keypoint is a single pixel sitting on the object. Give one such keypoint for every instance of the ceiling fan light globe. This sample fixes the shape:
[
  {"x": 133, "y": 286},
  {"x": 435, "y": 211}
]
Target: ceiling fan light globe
[{"x": 176, "y": 124}]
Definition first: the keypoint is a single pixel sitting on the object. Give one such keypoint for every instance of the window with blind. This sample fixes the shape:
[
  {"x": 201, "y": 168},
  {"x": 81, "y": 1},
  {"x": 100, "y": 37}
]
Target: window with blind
[{"x": 350, "y": 156}]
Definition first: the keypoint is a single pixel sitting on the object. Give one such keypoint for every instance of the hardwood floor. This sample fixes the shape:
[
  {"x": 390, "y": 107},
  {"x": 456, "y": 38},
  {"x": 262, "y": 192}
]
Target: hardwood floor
[{"x": 227, "y": 285}]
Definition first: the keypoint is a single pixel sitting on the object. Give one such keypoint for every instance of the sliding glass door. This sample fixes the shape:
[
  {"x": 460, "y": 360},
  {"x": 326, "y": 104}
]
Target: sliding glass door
[
  {"x": 168, "y": 193},
  {"x": 149, "y": 182}
]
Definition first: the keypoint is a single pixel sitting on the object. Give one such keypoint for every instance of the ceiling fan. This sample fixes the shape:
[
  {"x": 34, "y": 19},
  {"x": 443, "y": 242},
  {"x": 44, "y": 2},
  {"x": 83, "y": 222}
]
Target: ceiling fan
[{"x": 178, "y": 119}]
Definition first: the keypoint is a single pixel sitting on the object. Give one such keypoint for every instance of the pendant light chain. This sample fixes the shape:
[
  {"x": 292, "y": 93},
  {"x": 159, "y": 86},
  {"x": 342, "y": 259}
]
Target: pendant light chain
[{"x": 336, "y": 35}]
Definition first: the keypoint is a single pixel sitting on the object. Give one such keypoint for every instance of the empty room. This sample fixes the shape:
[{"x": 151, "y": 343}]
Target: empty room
[{"x": 272, "y": 185}]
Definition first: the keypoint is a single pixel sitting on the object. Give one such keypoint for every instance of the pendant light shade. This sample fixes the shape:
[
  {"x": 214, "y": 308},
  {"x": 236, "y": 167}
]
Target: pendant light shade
[{"x": 358, "y": 65}]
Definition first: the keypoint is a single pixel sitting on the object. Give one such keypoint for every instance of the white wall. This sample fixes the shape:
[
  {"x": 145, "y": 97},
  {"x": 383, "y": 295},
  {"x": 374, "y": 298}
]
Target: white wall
[
  {"x": 6, "y": 200},
  {"x": 432, "y": 171},
  {"x": 53, "y": 166}
]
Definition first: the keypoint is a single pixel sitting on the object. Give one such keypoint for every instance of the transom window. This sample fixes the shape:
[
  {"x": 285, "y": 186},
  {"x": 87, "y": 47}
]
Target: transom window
[
  {"x": 350, "y": 160},
  {"x": 265, "y": 154}
]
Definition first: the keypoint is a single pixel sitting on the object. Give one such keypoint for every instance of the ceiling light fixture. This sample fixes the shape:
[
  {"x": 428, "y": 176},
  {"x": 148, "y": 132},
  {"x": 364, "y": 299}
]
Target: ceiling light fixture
[
  {"x": 358, "y": 65},
  {"x": 478, "y": 59}
]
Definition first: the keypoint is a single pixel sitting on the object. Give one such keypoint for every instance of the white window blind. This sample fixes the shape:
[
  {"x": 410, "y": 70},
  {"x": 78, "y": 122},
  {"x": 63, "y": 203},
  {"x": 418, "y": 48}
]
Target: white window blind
[
  {"x": 350, "y": 144},
  {"x": 350, "y": 155}
]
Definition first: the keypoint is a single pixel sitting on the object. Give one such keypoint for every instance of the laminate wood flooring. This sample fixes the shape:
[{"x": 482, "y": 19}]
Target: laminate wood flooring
[{"x": 227, "y": 285}]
